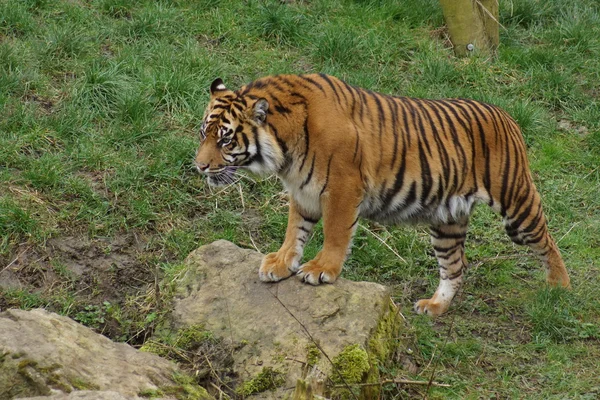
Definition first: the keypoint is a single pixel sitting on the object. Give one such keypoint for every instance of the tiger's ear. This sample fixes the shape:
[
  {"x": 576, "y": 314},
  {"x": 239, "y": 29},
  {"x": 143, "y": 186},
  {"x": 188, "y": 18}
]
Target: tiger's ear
[
  {"x": 260, "y": 110},
  {"x": 217, "y": 86}
]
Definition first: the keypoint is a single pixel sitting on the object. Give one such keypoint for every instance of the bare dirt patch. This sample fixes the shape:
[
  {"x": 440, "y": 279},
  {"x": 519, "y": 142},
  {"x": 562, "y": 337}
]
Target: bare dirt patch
[{"x": 73, "y": 275}]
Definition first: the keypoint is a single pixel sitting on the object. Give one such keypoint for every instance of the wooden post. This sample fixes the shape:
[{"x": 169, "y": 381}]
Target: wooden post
[{"x": 473, "y": 25}]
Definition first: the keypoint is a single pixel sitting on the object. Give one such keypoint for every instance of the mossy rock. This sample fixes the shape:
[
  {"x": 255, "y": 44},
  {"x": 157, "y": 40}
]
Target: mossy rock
[
  {"x": 291, "y": 328},
  {"x": 267, "y": 379},
  {"x": 42, "y": 353}
]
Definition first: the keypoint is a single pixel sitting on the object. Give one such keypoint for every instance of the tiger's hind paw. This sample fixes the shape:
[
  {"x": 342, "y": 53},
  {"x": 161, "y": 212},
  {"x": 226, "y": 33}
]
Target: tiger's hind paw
[
  {"x": 273, "y": 268},
  {"x": 315, "y": 272},
  {"x": 427, "y": 306}
]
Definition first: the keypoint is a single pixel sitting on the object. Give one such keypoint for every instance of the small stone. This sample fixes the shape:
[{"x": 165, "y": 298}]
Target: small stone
[{"x": 565, "y": 125}]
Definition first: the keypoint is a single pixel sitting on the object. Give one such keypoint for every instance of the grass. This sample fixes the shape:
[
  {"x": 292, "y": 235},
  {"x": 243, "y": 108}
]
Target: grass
[{"x": 99, "y": 110}]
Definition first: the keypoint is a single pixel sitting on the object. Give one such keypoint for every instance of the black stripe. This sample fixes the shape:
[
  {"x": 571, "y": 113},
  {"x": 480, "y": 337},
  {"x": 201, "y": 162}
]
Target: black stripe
[
  {"x": 326, "y": 79},
  {"x": 308, "y": 219},
  {"x": 412, "y": 194},
  {"x": 280, "y": 108},
  {"x": 471, "y": 116},
  {"x": 380, "y": 121},
  {"x": 310, "y": 173},
  {"x": 441, "y": 249},
  {"x": 426, "y": 179},
  {"x": 398, "y": 182},
  {"x": 280, "y": 141},
  {"x": 421, "y": 125},
  {"x": 312, "y": 81},
  {"x": 449, "y": 106},
  {"x": 356, "y": 145},
  {"x": 455, "y": 275},
  {"x": 393, "y": 107},
  {"x": 301, "y": 97},
  {"x": 258, "y": 156},
  {"x": 351, "y": 90},
  {"x": 273, "y": 83},
  {"x": 448, "y": 253},
  {"x": 363, "y": 103},
  {"x": 407, "y": 133},
  {"x": 306, "y": 144},
  {"x": 327, "y": 176},
  {"x": 505, "y": 177},
  {"x": 441, "y": 147},
  {"x": 439, "y": 234}
]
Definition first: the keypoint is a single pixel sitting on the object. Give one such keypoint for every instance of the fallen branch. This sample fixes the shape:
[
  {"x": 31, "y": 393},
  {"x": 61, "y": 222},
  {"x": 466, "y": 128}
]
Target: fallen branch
[{"x": 398, "y": 381}]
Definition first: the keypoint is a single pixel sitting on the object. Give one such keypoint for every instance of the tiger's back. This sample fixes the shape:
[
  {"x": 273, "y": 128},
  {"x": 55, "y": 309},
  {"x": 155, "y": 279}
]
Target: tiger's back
[{"x": 344, "y": 152}]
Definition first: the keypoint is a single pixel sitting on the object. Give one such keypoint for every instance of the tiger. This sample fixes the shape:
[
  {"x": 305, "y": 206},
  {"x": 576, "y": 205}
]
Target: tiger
[{"x": 344, "y": 153}]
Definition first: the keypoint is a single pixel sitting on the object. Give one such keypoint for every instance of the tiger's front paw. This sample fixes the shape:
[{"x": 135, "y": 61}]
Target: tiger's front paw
[
  {"x": 274, "y": 268},
  {"x": 429, "y": 307},
  {"x": 316, "y": 272}
]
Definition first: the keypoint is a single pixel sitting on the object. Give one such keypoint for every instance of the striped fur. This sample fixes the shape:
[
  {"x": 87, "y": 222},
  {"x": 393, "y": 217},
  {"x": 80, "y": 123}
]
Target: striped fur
[{"x": 343, "y": 152}]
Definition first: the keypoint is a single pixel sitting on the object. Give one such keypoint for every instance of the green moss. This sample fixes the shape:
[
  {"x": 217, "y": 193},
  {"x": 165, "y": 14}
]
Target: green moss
[
  {"x": 80, "y": 384},
  {"x": 194, "y": 341},
  {"x": 313, "y": 354},
  {"x": 267, "y": 379},
  {"x": 190, "y": 390},
  {"x": 151, "y": 393},
  {"x": 187, "y": 338},
  {"x": 383, "y": 341},
  {"x": 186, "y": 389},
  {"x": 26, "y": 363},
  {"x": 192, "y": 336},
  {"x": 357, "y": 365},
  {"x": 352, "y": 364},
  {"x": 155, "y": 347}
]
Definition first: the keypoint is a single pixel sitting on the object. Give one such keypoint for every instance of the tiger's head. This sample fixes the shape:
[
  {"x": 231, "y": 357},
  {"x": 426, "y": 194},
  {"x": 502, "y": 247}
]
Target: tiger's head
[{"x": 235, "y": 134}]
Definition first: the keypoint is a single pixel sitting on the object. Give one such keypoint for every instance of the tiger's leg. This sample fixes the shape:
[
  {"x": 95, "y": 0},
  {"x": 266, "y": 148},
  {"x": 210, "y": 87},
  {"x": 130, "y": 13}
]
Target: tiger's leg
[
  {"x": 286, "y": 261},
  {"x": 526, "y": 224},
  {"x": 449, "y": 245},
  {"x": 340, "y": 219}
]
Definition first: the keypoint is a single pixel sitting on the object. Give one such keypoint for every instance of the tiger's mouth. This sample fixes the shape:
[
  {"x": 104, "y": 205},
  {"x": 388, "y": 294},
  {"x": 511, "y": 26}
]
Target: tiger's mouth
[{"x": 222, "y": 177}]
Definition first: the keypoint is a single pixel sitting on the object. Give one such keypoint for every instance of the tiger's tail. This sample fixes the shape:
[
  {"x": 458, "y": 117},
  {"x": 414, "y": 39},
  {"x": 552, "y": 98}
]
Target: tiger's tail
[{"x": 526, "y": 224}]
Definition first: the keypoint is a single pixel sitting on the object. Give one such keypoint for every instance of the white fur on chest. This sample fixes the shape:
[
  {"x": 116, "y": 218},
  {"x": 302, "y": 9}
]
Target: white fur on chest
[{"x": 308, "y": 197}]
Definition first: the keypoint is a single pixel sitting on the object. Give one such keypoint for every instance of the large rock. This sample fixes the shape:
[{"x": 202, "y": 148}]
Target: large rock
[
  {"x": 43, "y": 354},
  {"x": 286, "y": 330}
]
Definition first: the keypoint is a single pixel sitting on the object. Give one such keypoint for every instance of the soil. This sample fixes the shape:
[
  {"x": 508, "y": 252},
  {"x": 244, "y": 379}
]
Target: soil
[{"x": 75, "y": 272}]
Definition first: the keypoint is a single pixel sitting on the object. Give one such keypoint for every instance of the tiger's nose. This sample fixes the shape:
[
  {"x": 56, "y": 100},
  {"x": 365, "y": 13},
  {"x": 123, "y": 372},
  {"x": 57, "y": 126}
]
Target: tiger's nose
[{"x": 202, "y": 166}]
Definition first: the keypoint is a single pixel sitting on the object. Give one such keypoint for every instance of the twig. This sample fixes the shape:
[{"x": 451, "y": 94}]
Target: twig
[
  {"x": 221, "y": 393},
  {"x": 400, "y": 381},
  {"x": 430, "y": 383},
  {"x": 214, "y": 373},
  {"x": 252, "y": 240},
  {"x": 15, "y": 260},
  {"x": 490, "y": 14},
  {"x": 384, "y": 243},
  {"x": 430, "y": 361},
  {"x": 499, "y": 257},
  {"x": 569, "y": 231},
  {"x": 228, "y": 317},
  {"x": 241, "y": 197}
]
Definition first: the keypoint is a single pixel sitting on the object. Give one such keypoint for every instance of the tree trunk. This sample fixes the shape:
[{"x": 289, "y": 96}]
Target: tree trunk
[{"x": 473, "y": 25}]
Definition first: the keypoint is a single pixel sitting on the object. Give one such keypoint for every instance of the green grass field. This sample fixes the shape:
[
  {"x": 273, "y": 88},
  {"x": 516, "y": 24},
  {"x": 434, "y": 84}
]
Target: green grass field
[{"x": 100, "y": 105}]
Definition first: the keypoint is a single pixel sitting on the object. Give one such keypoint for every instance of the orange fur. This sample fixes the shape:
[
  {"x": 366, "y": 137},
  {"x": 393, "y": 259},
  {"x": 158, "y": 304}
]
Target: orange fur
[{"x": 344, "y": 153}]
